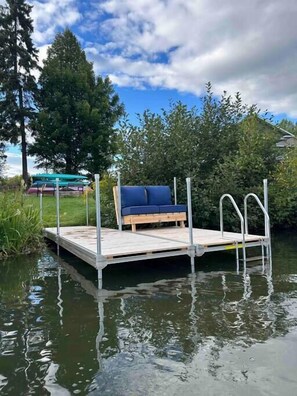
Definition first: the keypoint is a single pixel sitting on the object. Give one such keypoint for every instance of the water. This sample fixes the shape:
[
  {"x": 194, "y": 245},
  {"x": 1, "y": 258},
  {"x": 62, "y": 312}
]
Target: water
[{"x": 154, "y": 330}]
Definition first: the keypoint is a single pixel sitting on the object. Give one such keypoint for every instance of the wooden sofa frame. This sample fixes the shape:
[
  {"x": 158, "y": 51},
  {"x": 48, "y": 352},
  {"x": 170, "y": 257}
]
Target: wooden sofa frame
[{"x": 133, "y": 220}]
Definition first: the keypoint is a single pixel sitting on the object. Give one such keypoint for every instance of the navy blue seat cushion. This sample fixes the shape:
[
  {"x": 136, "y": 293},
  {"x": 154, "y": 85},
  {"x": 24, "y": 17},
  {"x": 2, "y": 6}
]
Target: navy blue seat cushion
[
  {"x": 172, "y": 208},
  {"x": 133, "y": 196},
  {"x": 137, "y": 210},
  {"x": 158, "y": 195}
]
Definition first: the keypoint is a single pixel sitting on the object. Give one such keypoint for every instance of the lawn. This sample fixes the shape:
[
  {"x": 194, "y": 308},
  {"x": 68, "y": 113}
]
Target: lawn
[{"x": 72, "y": 209}]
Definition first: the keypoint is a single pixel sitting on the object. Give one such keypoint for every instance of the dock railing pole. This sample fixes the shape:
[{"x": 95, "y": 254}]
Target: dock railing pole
[
  {"x": 175, "y": 194},
  {"x": 190, "y": 224},
  {"x": 265, "y": 187},
  {"x": 98, "y": 230},
  {"x": 87, "y": 206},
  {"x": 265, "y": 190},
  {"x": 58, "y": 211},
  {"x": 267, "y": 224},
  {"x": 119, "y": 203},
  {"x": 40, "y": 206},
  {"x": 175, "y": 191}
]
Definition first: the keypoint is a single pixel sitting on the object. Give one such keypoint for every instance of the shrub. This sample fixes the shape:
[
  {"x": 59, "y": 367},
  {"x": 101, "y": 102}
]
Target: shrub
[{"x": 20, "y": 227}]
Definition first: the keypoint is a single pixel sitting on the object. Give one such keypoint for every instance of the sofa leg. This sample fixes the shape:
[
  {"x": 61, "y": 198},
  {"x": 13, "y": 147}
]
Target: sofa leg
[
  {"x": 182, "y": 224},
  {"x": 133, "y": 227}
]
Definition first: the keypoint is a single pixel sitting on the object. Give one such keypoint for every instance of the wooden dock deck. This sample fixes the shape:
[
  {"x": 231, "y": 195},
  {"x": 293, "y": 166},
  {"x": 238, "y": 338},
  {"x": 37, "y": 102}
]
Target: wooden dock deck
[{"x": 126, "y": 246}]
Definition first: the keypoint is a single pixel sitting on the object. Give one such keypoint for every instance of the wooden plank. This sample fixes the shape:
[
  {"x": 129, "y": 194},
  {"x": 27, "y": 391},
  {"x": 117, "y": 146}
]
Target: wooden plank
[
  {"x": 154, "y": 218},
  {"x": 115, "y": 198},
  {"x": 202, "y": 237}
]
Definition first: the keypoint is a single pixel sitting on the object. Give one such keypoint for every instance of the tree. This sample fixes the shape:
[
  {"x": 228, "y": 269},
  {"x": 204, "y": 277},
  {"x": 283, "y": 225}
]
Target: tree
[
  {"x": 289, "y": 126},
  {"x": 2, "y": 158},
  {"x": 74, "y": 130},
  {"x": 18, "y": 59},
  {"x": 225, "y": 149},
  {"x": 161, "y": 147},
  {"x": 243, "y": 171},
  {"x": 284, "y": 189}
]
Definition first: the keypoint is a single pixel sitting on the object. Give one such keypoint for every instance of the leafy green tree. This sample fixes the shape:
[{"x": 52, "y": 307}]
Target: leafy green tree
[
  {"x": 219, "y": 128},
  {"x": 284, "y": 190},
  {"x": 243, "y": 171},
  {"x": 225, "y": 148},
  {"x": 289, "y": 126},
  {"x": 74, "y": 130},
  {"x": 13, "y": 182},
  {"x": 18, "y": 60},
  {"x": 160, "y": 148}
]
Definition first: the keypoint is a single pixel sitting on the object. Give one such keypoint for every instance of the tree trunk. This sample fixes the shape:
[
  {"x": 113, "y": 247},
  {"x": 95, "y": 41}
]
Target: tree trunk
[
  {"x": 21, "y": 106},
  {"x": 23, "y": 139}
]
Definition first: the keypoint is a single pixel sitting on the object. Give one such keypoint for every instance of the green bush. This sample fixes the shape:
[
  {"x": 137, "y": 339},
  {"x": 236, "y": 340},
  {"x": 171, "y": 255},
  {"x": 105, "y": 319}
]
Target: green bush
[
  {"x": 20, "y": 227},
  {"x": 108, "y": 216}
]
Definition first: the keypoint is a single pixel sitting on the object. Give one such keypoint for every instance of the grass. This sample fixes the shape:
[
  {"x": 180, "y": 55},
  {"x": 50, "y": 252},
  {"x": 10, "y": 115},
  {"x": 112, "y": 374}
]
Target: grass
[{"x": 72, "y": 210}]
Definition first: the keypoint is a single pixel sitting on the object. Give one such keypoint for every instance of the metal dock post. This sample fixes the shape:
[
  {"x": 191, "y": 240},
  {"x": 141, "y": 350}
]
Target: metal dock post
[
  {"x": 58, "y": 214},
  {"x": 267, "y": 225},
  {"x": 175, "y": 195},
  {"x": 119, "y": 202},
  {"x": 40, "y": 206},
  {"x": 87, "y": 206},
  {"x": 190, "y": 225},
  {"x": 98, "y": 231}
]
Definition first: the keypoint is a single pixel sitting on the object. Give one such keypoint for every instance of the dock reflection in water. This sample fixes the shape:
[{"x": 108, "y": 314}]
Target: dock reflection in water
[{"x": 211, "y": 332}]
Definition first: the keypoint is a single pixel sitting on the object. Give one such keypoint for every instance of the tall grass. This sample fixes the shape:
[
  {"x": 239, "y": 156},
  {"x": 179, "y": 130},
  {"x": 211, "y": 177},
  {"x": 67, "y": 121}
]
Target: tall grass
[{"x": 20, "y": 227}]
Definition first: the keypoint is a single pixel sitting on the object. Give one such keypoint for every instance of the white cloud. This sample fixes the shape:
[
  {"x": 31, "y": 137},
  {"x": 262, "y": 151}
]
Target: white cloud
[
  {"x": 42, "y": 53},
  {"x": 51, "y": 15},
  {"x": 247, "y": 46},
  {"x": 14, "y": 164}
]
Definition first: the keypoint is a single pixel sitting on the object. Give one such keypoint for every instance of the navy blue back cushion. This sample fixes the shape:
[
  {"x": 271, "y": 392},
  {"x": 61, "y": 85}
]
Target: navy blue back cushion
[
  {"x": 133, "y": 196},
  {"x": 158, "y": 195}
]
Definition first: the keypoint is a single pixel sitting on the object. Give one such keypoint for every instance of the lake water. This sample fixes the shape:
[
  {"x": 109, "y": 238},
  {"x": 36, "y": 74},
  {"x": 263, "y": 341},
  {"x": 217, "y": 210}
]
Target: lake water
[{"x": 155, "y": 329}]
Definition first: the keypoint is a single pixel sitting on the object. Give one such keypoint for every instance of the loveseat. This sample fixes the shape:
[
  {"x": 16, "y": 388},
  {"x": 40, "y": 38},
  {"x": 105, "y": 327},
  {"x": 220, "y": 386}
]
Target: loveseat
[{"x": 147, "y": 204}]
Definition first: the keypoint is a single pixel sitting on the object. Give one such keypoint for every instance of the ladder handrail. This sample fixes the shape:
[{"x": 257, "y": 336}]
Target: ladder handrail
[
  {"x": 242, "y": 222},
  {"x": 235, "y": 207},
  {"x": 266, "y": 215},
  {"x": 237, "y": 210}
]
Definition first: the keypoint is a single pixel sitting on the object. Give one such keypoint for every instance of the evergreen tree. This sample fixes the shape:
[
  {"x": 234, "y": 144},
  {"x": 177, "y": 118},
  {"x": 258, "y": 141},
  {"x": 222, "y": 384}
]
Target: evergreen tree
[
  {"x": 2, "y": 158},
  {"x": 74, "y": 129},
  {"x": 18, "y": 59}
]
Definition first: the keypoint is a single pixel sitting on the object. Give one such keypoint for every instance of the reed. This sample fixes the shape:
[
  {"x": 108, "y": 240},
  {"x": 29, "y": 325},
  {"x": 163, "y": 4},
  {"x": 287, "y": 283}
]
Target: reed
[{"x": 20, "y": 227}]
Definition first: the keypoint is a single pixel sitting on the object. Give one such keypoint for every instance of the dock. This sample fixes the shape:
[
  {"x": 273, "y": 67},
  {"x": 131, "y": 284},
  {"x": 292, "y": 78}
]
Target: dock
[
  {"x": 126, "y": 246},
  {"x": 100, "y": 247}
]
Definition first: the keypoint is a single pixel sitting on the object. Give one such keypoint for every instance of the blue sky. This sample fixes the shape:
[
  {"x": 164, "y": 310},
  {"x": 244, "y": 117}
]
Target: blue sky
[{"x": 160, "y": 50}]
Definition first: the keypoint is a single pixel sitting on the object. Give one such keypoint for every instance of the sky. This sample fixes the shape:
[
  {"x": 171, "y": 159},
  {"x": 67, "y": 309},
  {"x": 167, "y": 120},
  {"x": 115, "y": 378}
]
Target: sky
[{"x": 157, "y": 51}]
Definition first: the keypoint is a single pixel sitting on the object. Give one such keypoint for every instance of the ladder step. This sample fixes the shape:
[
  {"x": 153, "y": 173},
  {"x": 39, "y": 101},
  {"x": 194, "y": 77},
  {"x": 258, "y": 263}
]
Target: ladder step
[{"x": 255, "y": 258}]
